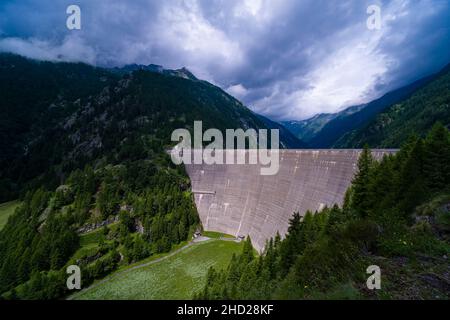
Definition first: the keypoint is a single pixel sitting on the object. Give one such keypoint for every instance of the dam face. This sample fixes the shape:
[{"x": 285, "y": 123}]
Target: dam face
[{"x": 236, "y": 199}]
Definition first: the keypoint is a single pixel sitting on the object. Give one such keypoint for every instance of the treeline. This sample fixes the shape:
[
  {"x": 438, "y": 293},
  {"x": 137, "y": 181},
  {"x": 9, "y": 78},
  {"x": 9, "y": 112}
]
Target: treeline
[
  {"x": 325, "y": 255},
  {"x": 154, "y": 210},
  {"x": 35, "y": 97},
  {"x": 58, "y": 117},
  {"x": 93, "y": 144},
  {"x": 28, "y": 245}
]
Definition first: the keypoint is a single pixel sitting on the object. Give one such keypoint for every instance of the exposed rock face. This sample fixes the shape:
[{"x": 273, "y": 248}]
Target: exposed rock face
[
  {"x": 237, "y": 200},
  {"x": 94, "y": 226}
]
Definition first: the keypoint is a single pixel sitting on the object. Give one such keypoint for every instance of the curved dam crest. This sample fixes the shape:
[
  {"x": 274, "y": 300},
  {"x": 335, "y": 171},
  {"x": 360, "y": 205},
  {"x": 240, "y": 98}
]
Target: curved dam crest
[{"x": 236, "y": 199}]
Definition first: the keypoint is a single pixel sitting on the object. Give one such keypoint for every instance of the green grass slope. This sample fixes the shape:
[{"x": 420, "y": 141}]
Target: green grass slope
[
  {"x": 176, "y": 277},
  {"x": 7, "y": 209}
]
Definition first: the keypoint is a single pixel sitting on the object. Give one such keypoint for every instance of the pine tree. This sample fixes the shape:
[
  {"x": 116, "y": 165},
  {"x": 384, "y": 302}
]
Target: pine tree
[
  {"x": 247, "y": 252},
  {"x": 247, "y": 280},
  {"x": 437, "y": 158},
  {"x": 412, "y": 180},
  {"x": 361, "y": 195},
  {"x": 383, "y": 187},
  {"x": 291, "y": 245}
]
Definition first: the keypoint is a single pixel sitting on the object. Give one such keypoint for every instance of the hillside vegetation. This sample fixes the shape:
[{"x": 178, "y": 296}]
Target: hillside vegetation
[
  {"x": 84, "y": 149},
  {"x": 385, "y": 122},
  {"x": 307, "y": 129},
  {"x": 6, "y": 210},
  {"x": 58, "y": 117},
  {"x": 415, "y": 115},
  {"x": 177, "y": 277},
  {"x": 336, "y": 128},
  {"x": 396, "y": 215},
  {"x": 35, "y": 97}
]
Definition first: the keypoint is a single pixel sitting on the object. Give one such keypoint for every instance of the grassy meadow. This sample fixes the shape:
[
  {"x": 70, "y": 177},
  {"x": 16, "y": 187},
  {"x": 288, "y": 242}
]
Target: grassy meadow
[
  {"x": 176, "y": 277},
  {"x": 7, "y": 209}
]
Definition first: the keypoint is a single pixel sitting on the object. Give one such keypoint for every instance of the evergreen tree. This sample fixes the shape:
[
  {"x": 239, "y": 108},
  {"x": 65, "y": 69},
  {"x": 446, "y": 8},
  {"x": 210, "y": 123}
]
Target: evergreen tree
[
  {"x": 412, "y": 184},
  {"x": 437, "y": 158},
  {"x": 291, "y": 246},
  {"x": 331, "y": 248},
  {"x": 360, "y": 184},
  {"x": 247, "y": 252}
]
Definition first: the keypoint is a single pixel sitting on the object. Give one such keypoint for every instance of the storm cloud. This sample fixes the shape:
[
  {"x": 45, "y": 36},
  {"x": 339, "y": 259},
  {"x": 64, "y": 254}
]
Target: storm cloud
[{"x": 286, "y": 59}]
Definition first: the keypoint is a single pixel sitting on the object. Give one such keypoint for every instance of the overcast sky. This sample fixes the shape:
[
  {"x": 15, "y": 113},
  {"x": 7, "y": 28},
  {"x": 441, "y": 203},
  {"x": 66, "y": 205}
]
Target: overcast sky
[{"x": 286, "y": 59}]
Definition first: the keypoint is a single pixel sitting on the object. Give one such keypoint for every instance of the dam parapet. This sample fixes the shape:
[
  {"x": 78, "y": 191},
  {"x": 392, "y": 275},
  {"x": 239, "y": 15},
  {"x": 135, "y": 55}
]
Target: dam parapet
[{"x": 236, "y": 199}]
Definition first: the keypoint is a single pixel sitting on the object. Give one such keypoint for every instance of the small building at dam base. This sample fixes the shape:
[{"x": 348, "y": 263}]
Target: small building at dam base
[{"x": 236, "y": 199}]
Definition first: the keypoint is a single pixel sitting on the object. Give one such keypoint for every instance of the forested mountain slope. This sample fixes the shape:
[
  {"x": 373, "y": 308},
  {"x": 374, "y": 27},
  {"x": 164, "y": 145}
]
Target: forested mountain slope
[
  {"x": 287, "y": 138},
  {"x": 85, "y": 149},
  {"x": 307, "y": 129},
  {"x": 60, "y": 116},
  {"x": 34, "y": 96},
  {"x": 415, "y": 115},
  {"x": 396, "y": 215},
  {"x": 336, "y": 128}
]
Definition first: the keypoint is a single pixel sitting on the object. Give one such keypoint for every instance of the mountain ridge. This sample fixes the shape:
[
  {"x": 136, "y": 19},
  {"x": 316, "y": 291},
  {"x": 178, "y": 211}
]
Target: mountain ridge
[
  {"x": 412, "y": 116},
  {"x": 63, "y": 127},
  {"x": 308, "y": 128},
  {"x": 329, "y": 130},
  {"x": 129, "y": 68}
]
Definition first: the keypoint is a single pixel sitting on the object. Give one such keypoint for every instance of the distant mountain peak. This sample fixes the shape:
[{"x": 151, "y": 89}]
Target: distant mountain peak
[{"x": 181, "y": 73}]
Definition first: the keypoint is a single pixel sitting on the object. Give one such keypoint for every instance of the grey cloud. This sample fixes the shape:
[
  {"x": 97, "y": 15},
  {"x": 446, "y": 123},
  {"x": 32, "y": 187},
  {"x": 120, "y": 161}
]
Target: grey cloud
[{"x": 286, "y": 59}]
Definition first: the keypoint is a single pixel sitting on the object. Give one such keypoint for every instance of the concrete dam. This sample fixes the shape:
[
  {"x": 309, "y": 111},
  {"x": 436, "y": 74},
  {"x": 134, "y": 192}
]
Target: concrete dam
[{"x": 236, "y": 199}]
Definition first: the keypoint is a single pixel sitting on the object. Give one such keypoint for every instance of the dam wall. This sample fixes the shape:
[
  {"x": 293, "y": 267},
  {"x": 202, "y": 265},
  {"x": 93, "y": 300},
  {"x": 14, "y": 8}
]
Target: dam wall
[{"x": 236, "y": 199}]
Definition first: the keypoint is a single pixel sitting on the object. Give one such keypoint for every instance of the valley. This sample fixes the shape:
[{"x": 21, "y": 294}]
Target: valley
[
  {"x": 384, "y": 122},
  {"x": 86, "y": 180}
]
